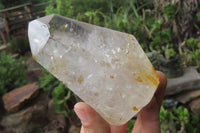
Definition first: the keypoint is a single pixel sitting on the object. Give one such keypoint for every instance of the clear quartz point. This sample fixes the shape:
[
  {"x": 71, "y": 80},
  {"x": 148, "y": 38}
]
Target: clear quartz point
[{"x": 107, "y": 69}]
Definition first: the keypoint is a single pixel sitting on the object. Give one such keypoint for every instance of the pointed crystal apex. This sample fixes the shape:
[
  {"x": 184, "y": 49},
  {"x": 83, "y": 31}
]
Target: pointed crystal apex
[
  {"x": 38, "y": 34},
  {"x": 106, "y": 68}
]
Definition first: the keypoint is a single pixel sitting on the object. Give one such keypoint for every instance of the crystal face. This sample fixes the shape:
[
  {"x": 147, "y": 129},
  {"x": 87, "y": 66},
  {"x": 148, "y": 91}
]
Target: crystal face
[{"x": 105, "y": 68}]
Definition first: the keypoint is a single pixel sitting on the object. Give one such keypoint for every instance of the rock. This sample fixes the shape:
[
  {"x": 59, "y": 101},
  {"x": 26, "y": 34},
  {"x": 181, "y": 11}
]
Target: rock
[
  {"x": 188, "y": 96},
  {"x": 33, "y": 76},
  {"x": 189, "y": 81},
  {"x": 195, "y": 106},
  {"x": 170, "y": 103},
  {"x": 17, "y": 98},
  {"x": 57, "y": 122},
  {"x": 100, "y": 65},
  {"x": 33, "y": 65},
  {"x": 3, "y": 131},
  {"x": 38, "y": 118},
  {"x": 34, "y": 71},
  {"x": 30, "y": 120}
]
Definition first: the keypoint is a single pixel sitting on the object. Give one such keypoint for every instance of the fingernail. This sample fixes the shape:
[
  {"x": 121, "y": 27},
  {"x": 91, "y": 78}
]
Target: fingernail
[{"x": 82, "y": 115}]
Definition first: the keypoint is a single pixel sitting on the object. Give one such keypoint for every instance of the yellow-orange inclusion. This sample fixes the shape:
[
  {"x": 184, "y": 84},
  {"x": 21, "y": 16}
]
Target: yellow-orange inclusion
[
  {"x": 35, "y": 58},
  {"x": 80, "y": 79},
  {"x": 139, "y": 79},
  {"x": 135, "y": 108}
]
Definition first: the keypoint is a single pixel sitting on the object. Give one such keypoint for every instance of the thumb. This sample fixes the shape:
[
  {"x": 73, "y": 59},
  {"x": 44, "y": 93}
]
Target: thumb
[{"x": 91, "y": 120}]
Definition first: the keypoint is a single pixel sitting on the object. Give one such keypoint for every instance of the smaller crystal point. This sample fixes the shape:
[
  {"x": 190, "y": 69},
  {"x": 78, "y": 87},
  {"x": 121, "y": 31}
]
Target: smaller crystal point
[{"x": 106, "y": 68}]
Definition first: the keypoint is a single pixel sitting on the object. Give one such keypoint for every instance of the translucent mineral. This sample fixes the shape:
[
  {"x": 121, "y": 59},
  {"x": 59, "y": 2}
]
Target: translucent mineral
[{"x": 107, "y": 69}]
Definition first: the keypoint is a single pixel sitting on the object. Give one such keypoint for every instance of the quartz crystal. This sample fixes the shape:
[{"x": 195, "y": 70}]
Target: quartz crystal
[{"x": 107, "y": 69}]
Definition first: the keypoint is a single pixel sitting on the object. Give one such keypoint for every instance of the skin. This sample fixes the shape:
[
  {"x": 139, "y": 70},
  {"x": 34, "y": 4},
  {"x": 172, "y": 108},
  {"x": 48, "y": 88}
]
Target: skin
[{"x": 147, "y": 121}]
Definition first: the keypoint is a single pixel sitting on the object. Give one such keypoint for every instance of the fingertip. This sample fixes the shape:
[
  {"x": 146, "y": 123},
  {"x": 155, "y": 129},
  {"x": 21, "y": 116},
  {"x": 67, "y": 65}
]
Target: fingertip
[
  {"x": 81, "y": 109},
  {"x": 90, "y": 119},
  {"x": 78, "y": 105},
  {"x": 82, "y": 106},
  {"x": 162, "y": 79},
  {"x": 160, "y": 92}
]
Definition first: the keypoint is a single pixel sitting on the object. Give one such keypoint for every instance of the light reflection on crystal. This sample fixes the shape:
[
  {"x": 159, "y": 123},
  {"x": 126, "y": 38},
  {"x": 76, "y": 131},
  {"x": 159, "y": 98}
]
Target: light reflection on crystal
[{"x": 89, "y": 76}]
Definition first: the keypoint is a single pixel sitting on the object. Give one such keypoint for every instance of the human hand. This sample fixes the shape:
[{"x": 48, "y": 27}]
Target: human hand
[{"x": 147, "y": 120}]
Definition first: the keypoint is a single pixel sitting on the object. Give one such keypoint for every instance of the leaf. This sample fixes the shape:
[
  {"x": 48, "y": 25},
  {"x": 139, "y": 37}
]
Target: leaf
[
  {"x": 198, "y": 15},
  {"x": 191, "y": 43},
  {"x": 171, "y": 10},
  {"x": 68, "y": 95},
  {"x": 130, "y": 126},
  {"x": 58, "y": 92}
]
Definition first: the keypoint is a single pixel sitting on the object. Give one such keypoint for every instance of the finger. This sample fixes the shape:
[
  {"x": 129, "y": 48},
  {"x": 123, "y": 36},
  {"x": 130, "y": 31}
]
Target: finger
[
  {"x": 160, "y": 92},
  {"x": 91, "y": 120},
  {"x": 152, "y": 109},
  {"x": 148, "y": 118},
  {"x": 119, "y": 129}
]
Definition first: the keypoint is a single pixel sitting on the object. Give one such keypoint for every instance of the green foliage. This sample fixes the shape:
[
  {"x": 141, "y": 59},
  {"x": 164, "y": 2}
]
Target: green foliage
[
  {"x": 194, "y": 125},
  {"x": 175, "y": 120},
  {"x": 130, "y": 126},
  {"x": 156, "y": 26},
  {"x": 19, "y": 44},
  {"x": 120, "y": 20},
  {"x": 182, "y": 115},
  {"x": 1, "y": 6},
  {"x": 50, "y": 9},
  {"x": 161, "y": 38},
  {"x": 169, "y": 52},
  {"x": 48, "y": 82},
  {"x": 63, "y": 7},
  {"x": 12, "y": 73},
  {"x": 179, "y": 120},
  {"x": 59, "y": 98},
  {"x": 194, "y": 51},
  {"x": 191, "y": 43},
  {"x": 81, "y": 6},
  {"x": 93, "y": 17},
  {"x": 198, "y": 16},
  {"x": 167, "y": 121},
  {"x": 171, "y": 10}
]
